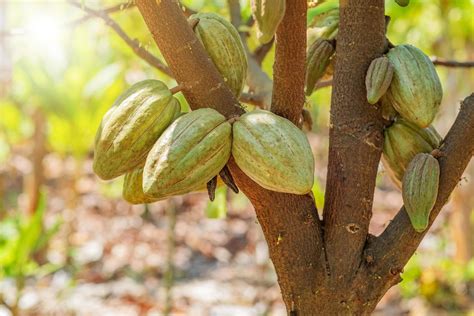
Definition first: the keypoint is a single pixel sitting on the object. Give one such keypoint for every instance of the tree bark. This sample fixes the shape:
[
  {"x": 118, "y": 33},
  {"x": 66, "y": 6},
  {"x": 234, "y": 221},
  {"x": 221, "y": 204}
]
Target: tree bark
[{"x": 355, "y": 138}]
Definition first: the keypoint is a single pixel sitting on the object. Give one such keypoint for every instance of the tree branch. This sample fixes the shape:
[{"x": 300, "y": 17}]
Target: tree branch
[
  {"x": 392, "y": 249},
  {"x": 451, "y": 63},
  {"x": 261, "y": 52},
  {"x": 290, "y": 63},
  {"x": 133, "y": 44},
  {"x": 109, "y": 10},
  {"x": 203, "y": 86},
  {"x": 355, "y": 139}
]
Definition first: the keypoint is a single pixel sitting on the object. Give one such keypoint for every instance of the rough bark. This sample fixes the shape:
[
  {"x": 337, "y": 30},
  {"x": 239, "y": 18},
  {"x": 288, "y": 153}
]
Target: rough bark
[
  {"x": 290, "y": 63},
  {"x": 355, "y": 139}
]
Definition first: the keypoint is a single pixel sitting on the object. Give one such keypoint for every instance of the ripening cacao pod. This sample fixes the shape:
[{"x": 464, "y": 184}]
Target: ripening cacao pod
[
  {"x": 420, "y": 189},
  {"x": 131, "y": 127},
  {"x": 378, "y": 78},
  {"x": 224, "y": 46},
  {"x": 191, "y": 151},
  {"x": 268, "y": 15},
  {"x": 317, "y": 60},
  {"x": 415, "y": 91},
  {"x": 132, "y": 190},
  {"x": 273, "y": 152},
  {"x": 402, "y": 3},
  {"x": 403, "y": 141}
]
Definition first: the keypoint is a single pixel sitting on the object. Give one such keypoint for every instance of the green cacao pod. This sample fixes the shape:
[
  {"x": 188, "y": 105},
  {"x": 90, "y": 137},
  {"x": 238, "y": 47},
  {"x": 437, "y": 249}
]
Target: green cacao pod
[
  {"x": 420, "y": 189},
  {"x": 273, "y": 152},
  {"x": 132, "y": 190},
  {"x": 224, "y": 46},
  {"x": 131, "y": 127},
  {"x": 402, "y": 3},
  {"x": 191, "y": 151},
  {"x": 378, "y": 78},
  {"x": 268, "y": 15},
  {"x": 325, "y": 25},
  {"x": 317, "y": 60},
  {"x": 403, "y": 141},
  {"x": 415, "y": 91},
  {"x": 387, "y": 110}
]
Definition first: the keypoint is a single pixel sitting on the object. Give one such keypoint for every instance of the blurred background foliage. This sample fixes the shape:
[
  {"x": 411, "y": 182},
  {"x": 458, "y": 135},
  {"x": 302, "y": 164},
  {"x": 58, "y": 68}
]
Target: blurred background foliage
[{"x": 59, "y": 73}]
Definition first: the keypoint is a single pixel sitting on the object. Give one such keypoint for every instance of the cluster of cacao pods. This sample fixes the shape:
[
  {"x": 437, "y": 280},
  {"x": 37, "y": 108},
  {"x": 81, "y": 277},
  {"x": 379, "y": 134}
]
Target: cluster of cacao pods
[
  {"x": 406, "y": 86},
  {"x": 162, "y": 152}
]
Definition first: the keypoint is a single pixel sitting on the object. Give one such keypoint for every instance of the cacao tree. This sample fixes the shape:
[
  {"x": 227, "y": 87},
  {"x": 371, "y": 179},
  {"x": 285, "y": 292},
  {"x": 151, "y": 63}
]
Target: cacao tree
[{"x": 325, "y": 266}]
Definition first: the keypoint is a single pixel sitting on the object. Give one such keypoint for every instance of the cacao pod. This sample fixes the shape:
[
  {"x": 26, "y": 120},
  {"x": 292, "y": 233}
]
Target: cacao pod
[
  {"x": 191, "y": 151},
  {"x": 224, "y": 46},
  {"x": 403, "y": 141},
  {"x": 131, "y": 127},
  {"x": 133, "y": 188},
  {"x": 325, "y": 25},
  {"x": 415, "y": 91},
  {"x": 273, "y": 152},
  {"x": 317, "y": 60},
  {"x": 402, "y": 3},
  {"x": 268, "y": 15},
  {"x": 388, "y": 111},
  {"x": 378, "y": 78},
  {"x": 420, "y": 189}
]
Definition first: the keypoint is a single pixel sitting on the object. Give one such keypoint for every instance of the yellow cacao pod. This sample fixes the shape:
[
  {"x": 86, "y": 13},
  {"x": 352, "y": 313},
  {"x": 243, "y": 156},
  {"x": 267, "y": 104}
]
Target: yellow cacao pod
[
  {"x": 132, "y": 190},
  {"x": 378, "y": 78},
  {"x": 420, "y": 189},
  {"x": 403, "y": 141},
  {"x": 268, "y": 15},
  {"x": 273, "y": 152},
  {"x": 317, "y": 60},
  {"x": 224, "y": 46},
  {"x": 131, "y": 127},
  {"x": 415, "y": 91},
  {"x": 191, "y": 151}
]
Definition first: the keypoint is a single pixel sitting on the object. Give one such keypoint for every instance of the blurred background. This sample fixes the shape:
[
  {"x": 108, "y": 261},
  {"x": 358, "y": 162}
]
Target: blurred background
[{"x": 70, "y": 245}]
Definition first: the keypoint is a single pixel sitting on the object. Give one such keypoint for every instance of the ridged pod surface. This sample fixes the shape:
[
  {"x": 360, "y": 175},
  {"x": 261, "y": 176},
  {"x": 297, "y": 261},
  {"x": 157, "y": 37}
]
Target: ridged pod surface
[
  {"x": 273, "y": 152},
  {"x": 131, "y": 127},
  {"x": 268, "y": 15},
  {"x": 132, "y": 190},
  {"x": 403, "y": 141},
  {"x": 420, "y": 189},
  {"x": 415, "y": 91},
  {"x": 378, "y": 78},
  {"x": 317, "y": 60},
  {"x": 188, "y": 154},
  {"x": 223, "y": 44}
]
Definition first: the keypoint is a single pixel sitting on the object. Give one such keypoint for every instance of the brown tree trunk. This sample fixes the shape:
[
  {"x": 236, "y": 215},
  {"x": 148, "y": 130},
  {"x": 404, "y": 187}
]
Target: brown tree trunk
[{"x": 333, "y": 267}]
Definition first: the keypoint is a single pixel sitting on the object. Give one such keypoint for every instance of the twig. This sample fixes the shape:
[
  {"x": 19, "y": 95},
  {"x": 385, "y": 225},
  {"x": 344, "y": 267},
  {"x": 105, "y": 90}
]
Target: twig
[
  {"x": 262, "y": 51},
  {"x": 133, "y": 44},
  {"x": 323, "y": 84},
  {"x": 451, "y": 63},
  {"x": 254, "y": 99},
  {"x": 112, "y": 9}
]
